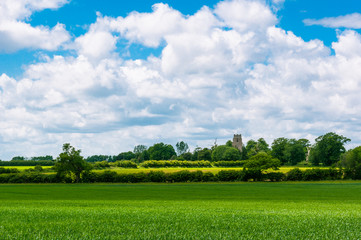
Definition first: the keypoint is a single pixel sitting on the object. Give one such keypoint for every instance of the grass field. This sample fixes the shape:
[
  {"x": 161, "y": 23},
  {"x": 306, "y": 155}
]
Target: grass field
[{"x": 327, "y": 210}]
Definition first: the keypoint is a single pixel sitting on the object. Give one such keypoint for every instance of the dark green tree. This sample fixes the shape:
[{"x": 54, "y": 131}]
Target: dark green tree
[
  {"x": 182, "y": 147},
  {"x": 351, "y": 161},
  {"x": 254, "y": 147},
  {"x": 278, "y": 149},
  {"x": 225, "y": 153},
  {"x": 328, "y": 149},
  {"x": 161, "y": 151},
  {"x": 70, "y": 162},
  {"x": 205, "y": 154},
  {"x": 294, "y": 152}
]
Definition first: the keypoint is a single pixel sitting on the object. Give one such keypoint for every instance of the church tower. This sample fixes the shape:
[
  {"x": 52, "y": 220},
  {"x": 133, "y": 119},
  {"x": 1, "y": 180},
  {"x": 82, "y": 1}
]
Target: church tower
[{"x": 237, "y": 141}]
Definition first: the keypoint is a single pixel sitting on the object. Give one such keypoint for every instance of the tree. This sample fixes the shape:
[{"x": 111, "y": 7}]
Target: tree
[
  {"x": 351, "y": 161},
  {"x": 254, "y": 147},
  {"x": 328, "y": 149},
  {"x": 161, "y": 151},
  {"x": 125, "y": 156},
  {"x": 182, "y": 147},
  {"x": 262, "y": 161},
  {"x": 278, "y": 149},
  {"x": 294, "y": 152},
  {"x": 205, "y": 154},
  {"x": 225, "y": 153},
  {"x": 71, "y": 162}
]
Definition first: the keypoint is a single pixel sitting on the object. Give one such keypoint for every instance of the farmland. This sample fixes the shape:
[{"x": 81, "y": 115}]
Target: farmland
[{"x": 323, "y": 210}]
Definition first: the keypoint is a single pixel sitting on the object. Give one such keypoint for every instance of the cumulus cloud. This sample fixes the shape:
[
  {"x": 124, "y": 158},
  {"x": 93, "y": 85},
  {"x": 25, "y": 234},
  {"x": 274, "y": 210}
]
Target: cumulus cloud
[
  {"x": 16, "y": 34},
  {"x": 352, "y": 21},
  {"x": 217, "y": 74}
]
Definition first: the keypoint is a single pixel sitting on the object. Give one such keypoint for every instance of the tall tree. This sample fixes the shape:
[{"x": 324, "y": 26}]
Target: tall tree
[
  {"x": 328, "y": 149},
  {"x": 182, "y": 147},
  {"x": 161, "y": 151},
  {"x": 71, "y": 162}
]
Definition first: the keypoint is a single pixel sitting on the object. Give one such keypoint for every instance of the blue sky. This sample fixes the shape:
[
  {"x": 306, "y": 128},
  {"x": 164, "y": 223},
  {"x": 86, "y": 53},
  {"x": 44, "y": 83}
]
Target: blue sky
[{"x": 108, "y": 75}]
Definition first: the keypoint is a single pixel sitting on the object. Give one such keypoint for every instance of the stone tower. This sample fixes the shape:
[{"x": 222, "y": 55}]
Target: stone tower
[{"x": 237, "y": 141}]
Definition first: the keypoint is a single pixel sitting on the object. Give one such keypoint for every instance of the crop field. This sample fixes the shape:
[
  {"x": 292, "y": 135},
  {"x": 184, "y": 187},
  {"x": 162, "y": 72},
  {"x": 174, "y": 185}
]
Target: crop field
[{"x": 322, "y": 210}]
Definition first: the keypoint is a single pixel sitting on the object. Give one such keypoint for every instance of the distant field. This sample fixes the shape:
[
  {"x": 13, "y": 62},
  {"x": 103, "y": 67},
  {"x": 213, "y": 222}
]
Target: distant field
[
  {"x": 328, "y": 210},
  {"x": 22, "y": 168}
]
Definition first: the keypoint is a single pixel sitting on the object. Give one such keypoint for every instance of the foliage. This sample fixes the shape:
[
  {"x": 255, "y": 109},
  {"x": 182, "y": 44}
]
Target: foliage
[
  {"x": 328, "y": 149},
  {"x": 253, "y": 147},
  {"x": 228, "y": 163},
  {"x": 8, "y": 170},
  {"x": 289, "y": 151},
  {"x": 351, "y": 161},
  {"x": 70, "y": 162},
  {"x": 125, "y": 156},
  {"x": 125, "y": 164},
  {"x": 204, "y": 154},
  {"x": 174, "y": 163},
  {"x": 99, "y": 158},
  {"x": 161, "y": 151},
  {"x": 294, "y": 175},
  {"x": 101, "y": 165},
  {"x": 225, "y": 153},
  {"x": 262, "y": 161},
  {"x": 182, "y": 147},
  {"x": 27, "y": 163}
]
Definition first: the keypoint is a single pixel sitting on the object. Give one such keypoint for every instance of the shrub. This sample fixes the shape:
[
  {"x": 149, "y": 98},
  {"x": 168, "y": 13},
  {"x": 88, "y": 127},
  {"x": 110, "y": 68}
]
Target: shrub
[
  {"x": 275, "y": 176},
  {"x": 174, "y": 163},
  {"x": 228, "y": 164},
  {"x": 294, "y": 175},
  {"x": 229, "y": 175},
  {"x": 8, "y": 170},
  {"x": 125, "y": 164},
  {"x": 101, "y": 165}
]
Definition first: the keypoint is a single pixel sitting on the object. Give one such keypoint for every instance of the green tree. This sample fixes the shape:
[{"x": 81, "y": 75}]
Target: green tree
[
  {"x": 225, "y": 153},
  {"x": 294, "y": 152},
  {"x": 182, "y": 147},
  {"x": 262, "y": 161},
  {"x": 141, "y": 153},
  {"x": 205, "y": 154},
  {"x": 254, "y": 147},
  {"x": 125, "y": 156},
  {"x": 328, "y": 149},
  {"x": 351, "y": 161},
  {"x": 278, "y": 149},
  {"x": 161, "y": 151},
  {"x": 70, "y": 162}
]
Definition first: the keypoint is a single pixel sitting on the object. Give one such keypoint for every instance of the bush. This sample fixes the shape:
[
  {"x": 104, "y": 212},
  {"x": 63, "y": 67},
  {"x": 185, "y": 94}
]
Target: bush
[
  {"x": 294, "y": 175},
  {"x": 101, "y": 165},
  {"x": 229, "y": 175},
  {"x": 125, "y": 164},
  {"x": 275, "y": 176},
  {"x": 252, "y": 174},
  {"x": 8, "y": 170},
  {"x": 175, "y": 163},
  {"x": 228, "y": 164}
]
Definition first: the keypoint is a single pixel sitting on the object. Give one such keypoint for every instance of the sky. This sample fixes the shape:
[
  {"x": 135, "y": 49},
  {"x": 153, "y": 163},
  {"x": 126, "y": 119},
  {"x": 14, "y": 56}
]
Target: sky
[{"x": 108, "y": 75}]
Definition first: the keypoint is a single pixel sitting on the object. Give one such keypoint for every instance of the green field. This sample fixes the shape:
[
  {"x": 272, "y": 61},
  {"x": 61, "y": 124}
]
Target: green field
[{"x": 323, "y": 210}]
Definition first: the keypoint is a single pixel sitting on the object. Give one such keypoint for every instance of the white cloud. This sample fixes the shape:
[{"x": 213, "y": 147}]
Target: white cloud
[
  {"x": 15, "y": 34},
  {"x": 352, "y": 21},
  {"x": 217, "y": 74}
]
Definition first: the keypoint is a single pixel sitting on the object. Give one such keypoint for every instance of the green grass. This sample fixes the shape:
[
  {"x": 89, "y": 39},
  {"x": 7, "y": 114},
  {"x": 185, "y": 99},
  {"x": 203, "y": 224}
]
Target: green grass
[{"x": 327, "y": 210}]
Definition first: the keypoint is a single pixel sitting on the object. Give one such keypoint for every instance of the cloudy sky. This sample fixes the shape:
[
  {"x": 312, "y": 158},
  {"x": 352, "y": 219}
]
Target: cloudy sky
[{"x": 108, "y": 75}]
